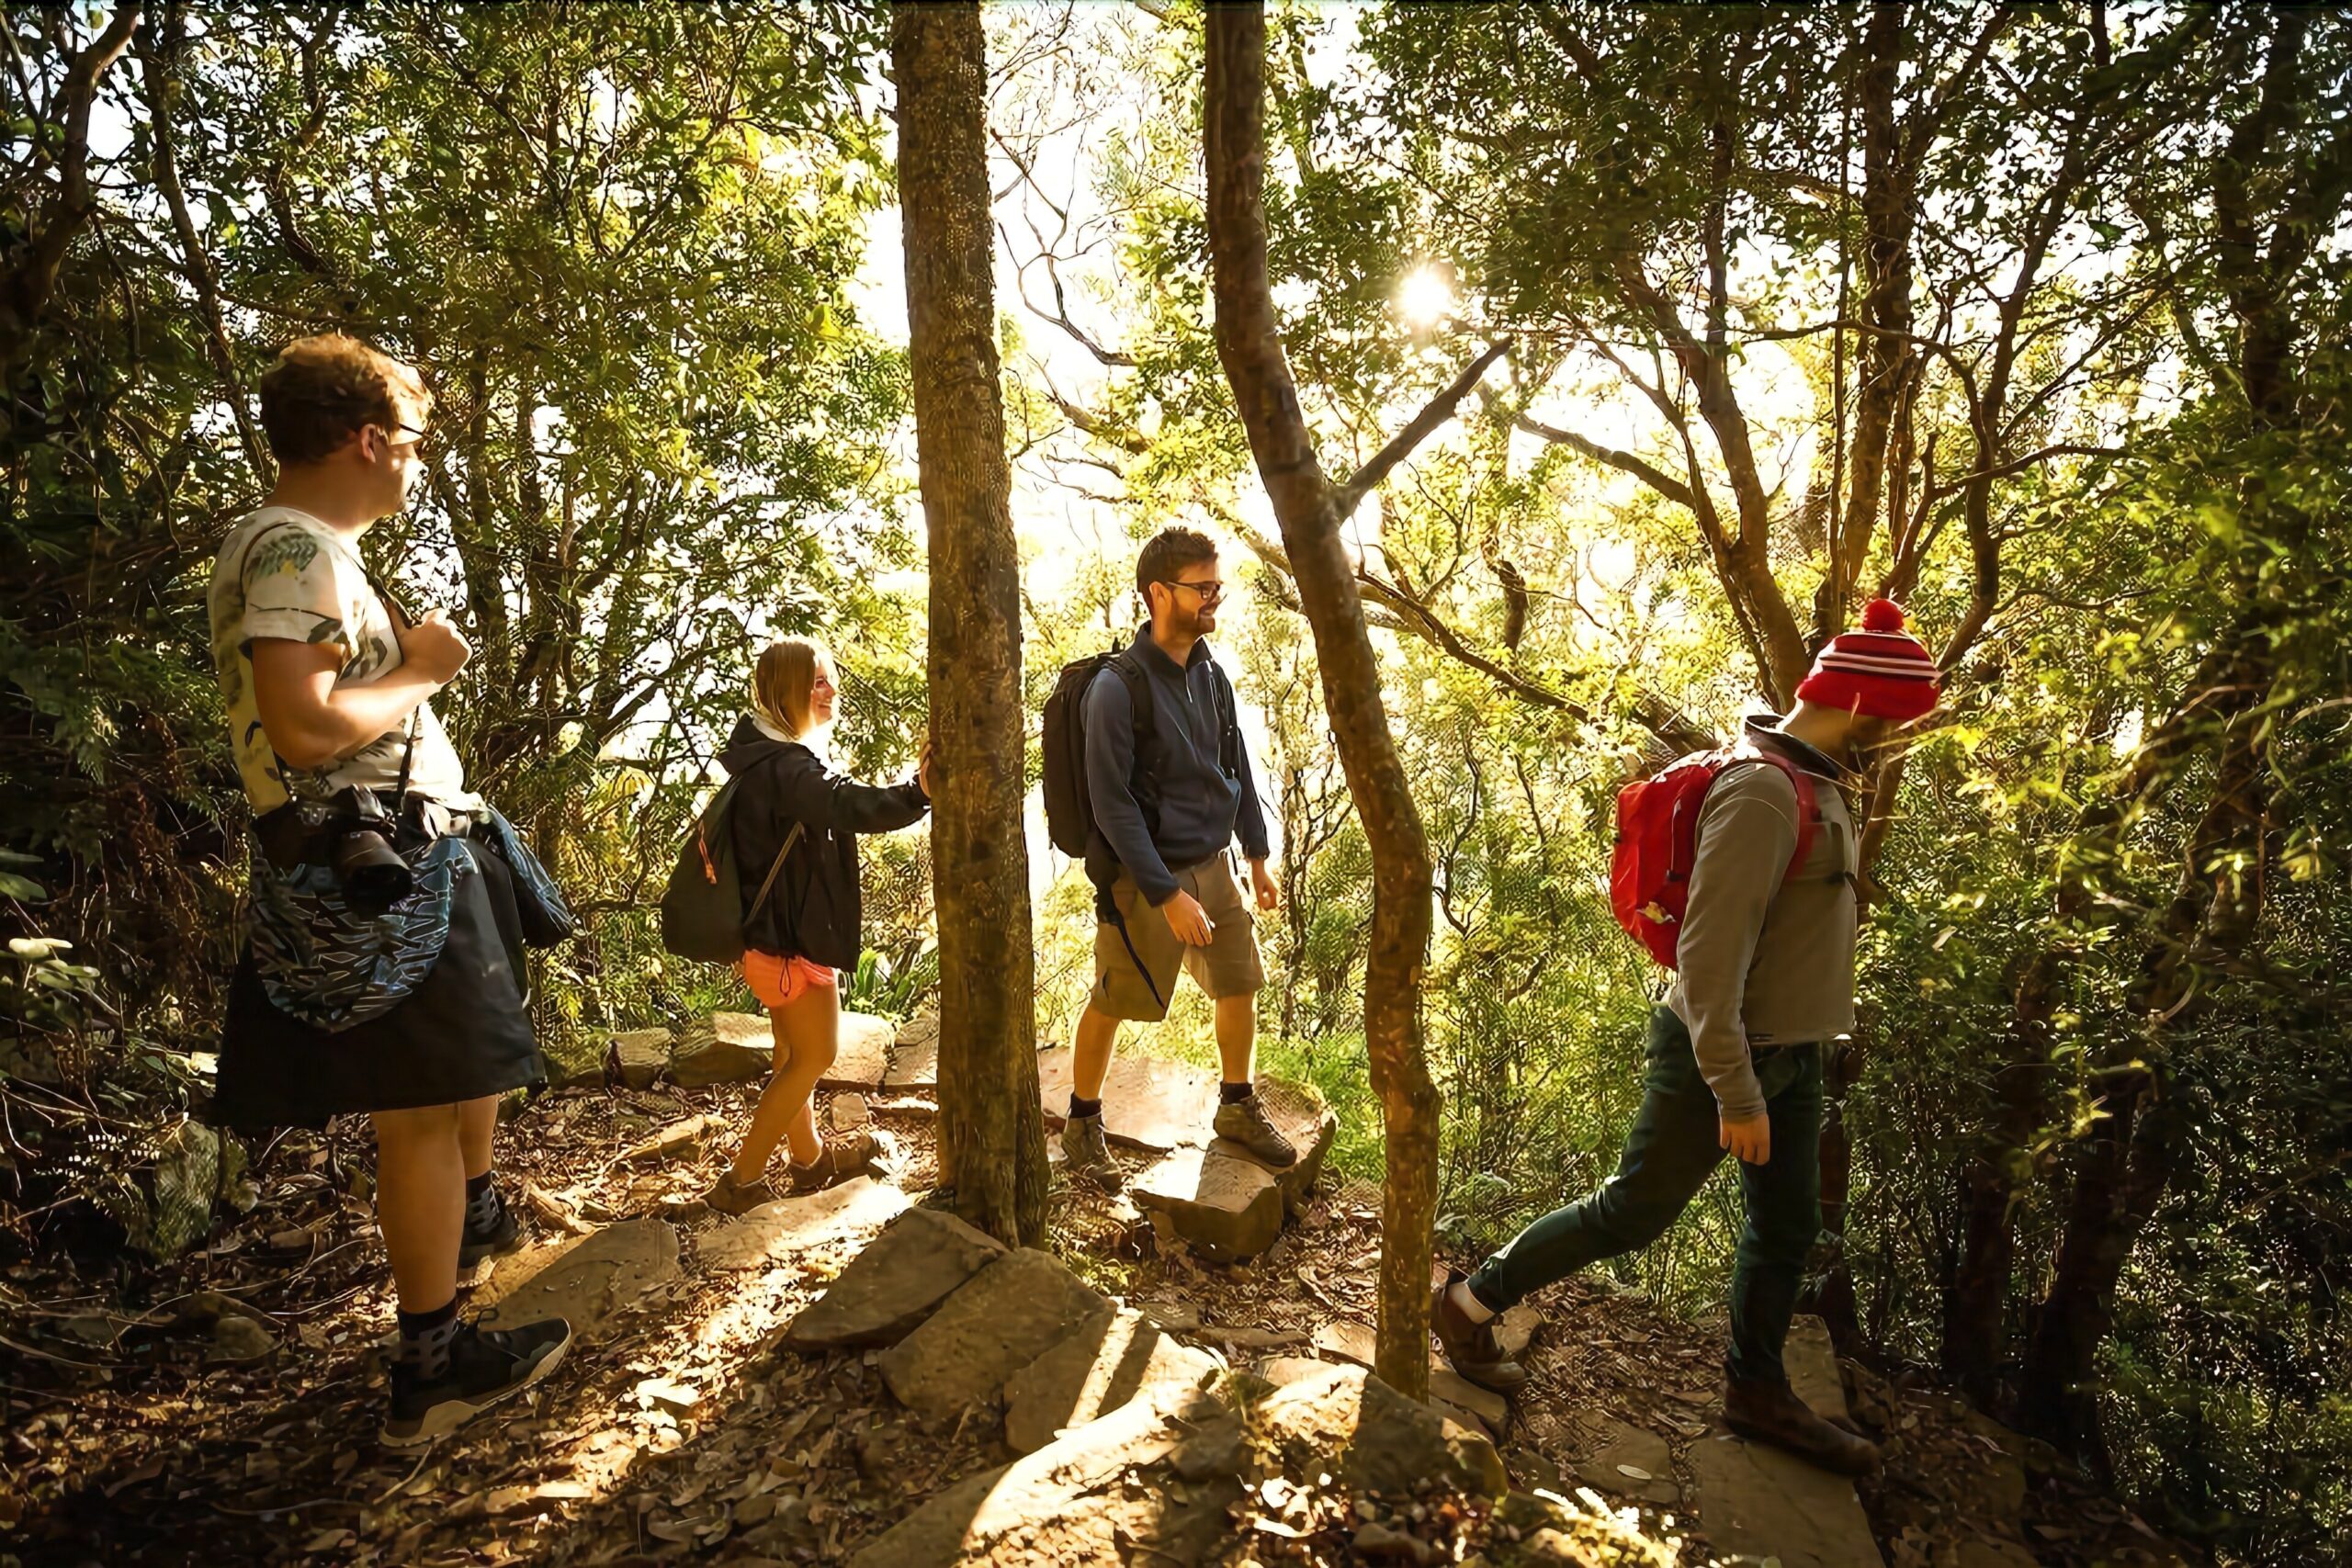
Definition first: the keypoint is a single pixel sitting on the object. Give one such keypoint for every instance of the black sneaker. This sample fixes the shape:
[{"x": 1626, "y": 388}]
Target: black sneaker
[
  {"x": 491, "y": 1232},
  {"x": 445, "y": 1380}
]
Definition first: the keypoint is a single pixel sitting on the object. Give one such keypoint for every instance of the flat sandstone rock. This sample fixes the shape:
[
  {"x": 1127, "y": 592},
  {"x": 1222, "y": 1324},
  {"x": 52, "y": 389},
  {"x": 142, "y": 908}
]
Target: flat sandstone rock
[
  {"x": 771, "y": 1231},
  {"x": 643, "y": 1056},
  {"x": 917, "y": 1262},
  {"x": 1150, "y": 1482},
  {"x": 864, "y": 1054},
  {"x": 1356, "y": 1428},
  {"x": 997, "y": 1323},
  {"x": 726, "y": 1047},
  {"x": 1093, "y": 1369},
  {"x": 1149, "y": 1102},
  {"x": 1758, "y": 1501},
  {"x": 594, "y": 1279}
]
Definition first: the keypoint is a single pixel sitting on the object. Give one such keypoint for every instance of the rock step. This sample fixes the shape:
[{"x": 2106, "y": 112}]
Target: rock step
[
  {"x": 768, "y": 1234},
  {"x": 739, "y": 1047},
  {"x": 1755, "y": 1500},
  {"x": 920, "y": 1259},
  {"x": 1203, "y": 1191},
  {"x": 1008, "y": 1315}
]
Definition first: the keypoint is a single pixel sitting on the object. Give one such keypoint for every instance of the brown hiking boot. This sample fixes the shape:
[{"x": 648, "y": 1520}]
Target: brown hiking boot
[
  {"x": 1471, "y": 1347},
  {"x": 845, "y": 1155},
  {"x": 1771, "y": 1412},
  {"x": 729, "y": 1196},
  {"x": 1087, "y": 1158},
  {"x": 1245, "y": 1122}
]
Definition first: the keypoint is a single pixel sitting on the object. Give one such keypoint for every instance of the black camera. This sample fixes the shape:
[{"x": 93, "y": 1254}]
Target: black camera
[{"x": 371, "y": 872}]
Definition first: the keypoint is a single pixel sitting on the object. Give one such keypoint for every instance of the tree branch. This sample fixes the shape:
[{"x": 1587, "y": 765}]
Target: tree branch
[
  {"x": 1439, "y": 410},
  {"x": 1658, "y": 479}
]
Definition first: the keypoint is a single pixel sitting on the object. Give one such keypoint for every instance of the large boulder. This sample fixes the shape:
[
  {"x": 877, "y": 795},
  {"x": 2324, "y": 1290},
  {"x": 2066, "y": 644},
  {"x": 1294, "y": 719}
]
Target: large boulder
[
  {"x": 910, "y": 1267},
  {"x": 1152, "y": 1482},
  {"x": 591, "y": 1282},
  {"x": 863, "y": 1054},
  {"x": 640, "y": 1056},
  {"x": 1093, "y": 1369},
  {"x": 914, "y": 1056},
  {"x": 998, "y": 1322},
  {"x": 1349, "y": 1425},
  {"x": 769, "y": 1233},
  {"x": 726, "y": 1047}
]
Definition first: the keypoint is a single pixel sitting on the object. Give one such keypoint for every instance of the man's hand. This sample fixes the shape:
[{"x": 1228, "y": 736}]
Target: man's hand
[
  {"x": 1751, "y": 1139},
  {"x": 1261, "y": 882},
  {"x": 436, "y": 649},
  {"x": 1188, "y": 919}
]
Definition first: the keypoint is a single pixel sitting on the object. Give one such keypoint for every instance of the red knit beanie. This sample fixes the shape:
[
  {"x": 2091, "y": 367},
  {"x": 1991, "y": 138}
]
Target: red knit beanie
[{"x": 1881, "y": 670}]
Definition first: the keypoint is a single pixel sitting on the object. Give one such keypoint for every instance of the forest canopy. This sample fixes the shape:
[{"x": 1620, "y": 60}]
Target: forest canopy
[{"x": 2032, "y": 317}]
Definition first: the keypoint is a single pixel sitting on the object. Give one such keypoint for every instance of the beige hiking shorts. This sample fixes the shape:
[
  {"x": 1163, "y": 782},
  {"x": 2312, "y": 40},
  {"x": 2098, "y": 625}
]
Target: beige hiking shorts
[{"x": 1135, "y": 975}]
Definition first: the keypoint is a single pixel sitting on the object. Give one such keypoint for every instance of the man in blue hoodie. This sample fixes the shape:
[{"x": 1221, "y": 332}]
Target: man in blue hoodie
[{"x": 1166, "y": 811}]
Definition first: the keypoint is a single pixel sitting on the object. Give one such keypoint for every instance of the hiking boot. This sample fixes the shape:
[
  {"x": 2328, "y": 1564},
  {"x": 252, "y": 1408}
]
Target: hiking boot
[
  {"x": 1087, "y": 1157},
  {"x": 491, "y": 1232},
  {"x": 1470, "y": 1347},
  {"x": 1771, "y": 1412},
  {"x": 843, "y": 1155},
  {"x": 1245, "y": 1122},
  {"x": 444, "y": 1379},
  {"x": 729, "y": 1196}
]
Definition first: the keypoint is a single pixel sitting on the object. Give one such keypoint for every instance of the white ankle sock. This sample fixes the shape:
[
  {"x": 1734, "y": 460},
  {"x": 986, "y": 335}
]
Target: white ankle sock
[{"x": 1472, "y": 1307}]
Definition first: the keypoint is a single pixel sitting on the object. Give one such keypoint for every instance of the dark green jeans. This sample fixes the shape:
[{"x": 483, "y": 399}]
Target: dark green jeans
[{"x": 1671, "y": 1150}]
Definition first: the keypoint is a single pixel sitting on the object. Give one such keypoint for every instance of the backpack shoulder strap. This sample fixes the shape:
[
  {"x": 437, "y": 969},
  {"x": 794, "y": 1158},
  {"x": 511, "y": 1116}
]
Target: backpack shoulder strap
[
  {"x": 1130, "y": 671},
  {"x": 1808, "y": 802},
  {"x": 1228, "y": 739}
]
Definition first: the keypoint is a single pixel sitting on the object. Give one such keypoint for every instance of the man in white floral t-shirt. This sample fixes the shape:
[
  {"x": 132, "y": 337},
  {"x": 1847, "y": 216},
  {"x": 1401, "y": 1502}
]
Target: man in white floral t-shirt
[{"x": 412, "y": 1009}]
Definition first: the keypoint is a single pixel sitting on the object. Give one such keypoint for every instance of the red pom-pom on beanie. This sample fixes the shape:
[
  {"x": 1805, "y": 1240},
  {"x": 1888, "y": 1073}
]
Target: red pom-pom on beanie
[{"x": 1882, "y": 615}]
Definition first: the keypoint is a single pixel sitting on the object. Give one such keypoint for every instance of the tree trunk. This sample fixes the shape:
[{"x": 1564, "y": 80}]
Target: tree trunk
[
  {"x": 1307, "y": 507},
  {"x": 992, "y": 1129}
]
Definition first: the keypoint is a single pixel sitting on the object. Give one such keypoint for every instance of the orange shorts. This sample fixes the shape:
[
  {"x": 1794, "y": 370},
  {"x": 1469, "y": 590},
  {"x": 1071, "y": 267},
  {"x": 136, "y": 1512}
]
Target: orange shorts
[{"x": 779, "y": 982}]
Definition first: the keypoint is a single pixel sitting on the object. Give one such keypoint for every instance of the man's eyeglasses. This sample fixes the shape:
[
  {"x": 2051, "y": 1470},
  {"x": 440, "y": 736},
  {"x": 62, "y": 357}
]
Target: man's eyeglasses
[
  {"x": 408, "y": 430},
  {"x": 1210, "y": 592}
]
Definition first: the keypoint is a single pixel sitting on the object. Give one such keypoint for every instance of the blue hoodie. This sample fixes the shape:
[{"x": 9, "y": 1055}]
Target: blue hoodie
[{"x": 1199, "y": 803}]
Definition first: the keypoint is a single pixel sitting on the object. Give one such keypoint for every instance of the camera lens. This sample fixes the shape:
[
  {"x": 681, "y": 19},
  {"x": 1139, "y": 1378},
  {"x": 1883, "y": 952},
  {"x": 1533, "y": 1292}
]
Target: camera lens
[{"x": 373, "y": 878}]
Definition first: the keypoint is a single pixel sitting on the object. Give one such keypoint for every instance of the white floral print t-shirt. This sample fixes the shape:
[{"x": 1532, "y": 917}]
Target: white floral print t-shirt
[{"x": 283, "y": 573}]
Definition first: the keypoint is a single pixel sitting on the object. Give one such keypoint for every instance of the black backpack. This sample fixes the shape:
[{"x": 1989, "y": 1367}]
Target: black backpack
[
  {"x": 703, "y": 912},
  {"x": 1069, "y": 810}
]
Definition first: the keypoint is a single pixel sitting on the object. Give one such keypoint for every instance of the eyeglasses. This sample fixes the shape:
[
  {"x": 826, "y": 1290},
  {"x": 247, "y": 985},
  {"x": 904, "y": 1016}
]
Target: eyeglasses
[
  {"x": 1210, "y": 592},
  {"x": 403, "y": 430}
]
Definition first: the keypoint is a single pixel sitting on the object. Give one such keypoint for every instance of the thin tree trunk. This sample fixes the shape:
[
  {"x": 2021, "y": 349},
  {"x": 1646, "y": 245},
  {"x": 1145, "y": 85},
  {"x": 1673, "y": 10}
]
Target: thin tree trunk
[
  {"x": 992, "y": 1140},
  {"x": 29, "y": 264},
  {"x": 161, "y": 65},
  {"x": 1307, "y": 507}
]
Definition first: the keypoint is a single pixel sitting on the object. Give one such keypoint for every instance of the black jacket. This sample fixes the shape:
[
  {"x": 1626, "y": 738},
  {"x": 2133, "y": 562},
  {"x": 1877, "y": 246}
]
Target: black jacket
[{"x": 814, "y": 910}]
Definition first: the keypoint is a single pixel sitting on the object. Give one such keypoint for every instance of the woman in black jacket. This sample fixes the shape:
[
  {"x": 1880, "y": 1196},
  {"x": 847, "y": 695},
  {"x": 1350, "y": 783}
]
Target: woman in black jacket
[{"x": 809, "y": 928}]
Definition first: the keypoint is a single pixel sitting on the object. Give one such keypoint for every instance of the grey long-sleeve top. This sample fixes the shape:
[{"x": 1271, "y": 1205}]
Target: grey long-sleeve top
[
  {"x": 1763, "y": 963},
  {"x": 1199, "y": 806}
]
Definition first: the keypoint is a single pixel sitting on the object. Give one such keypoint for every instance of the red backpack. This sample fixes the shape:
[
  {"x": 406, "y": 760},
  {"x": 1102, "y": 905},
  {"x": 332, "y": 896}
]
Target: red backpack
[{"x": 1657, "y": 839}]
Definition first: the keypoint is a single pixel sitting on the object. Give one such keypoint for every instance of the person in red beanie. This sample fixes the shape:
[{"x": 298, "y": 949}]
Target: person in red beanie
[{"x": 1765, "y": 976}]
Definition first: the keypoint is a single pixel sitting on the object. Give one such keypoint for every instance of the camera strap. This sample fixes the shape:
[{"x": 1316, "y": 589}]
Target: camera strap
[{"x": 401, "y": 622}]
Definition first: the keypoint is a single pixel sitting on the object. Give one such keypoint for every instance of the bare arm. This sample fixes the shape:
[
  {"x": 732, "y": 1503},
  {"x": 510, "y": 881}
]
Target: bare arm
[{"x": 311, "y": 721}]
